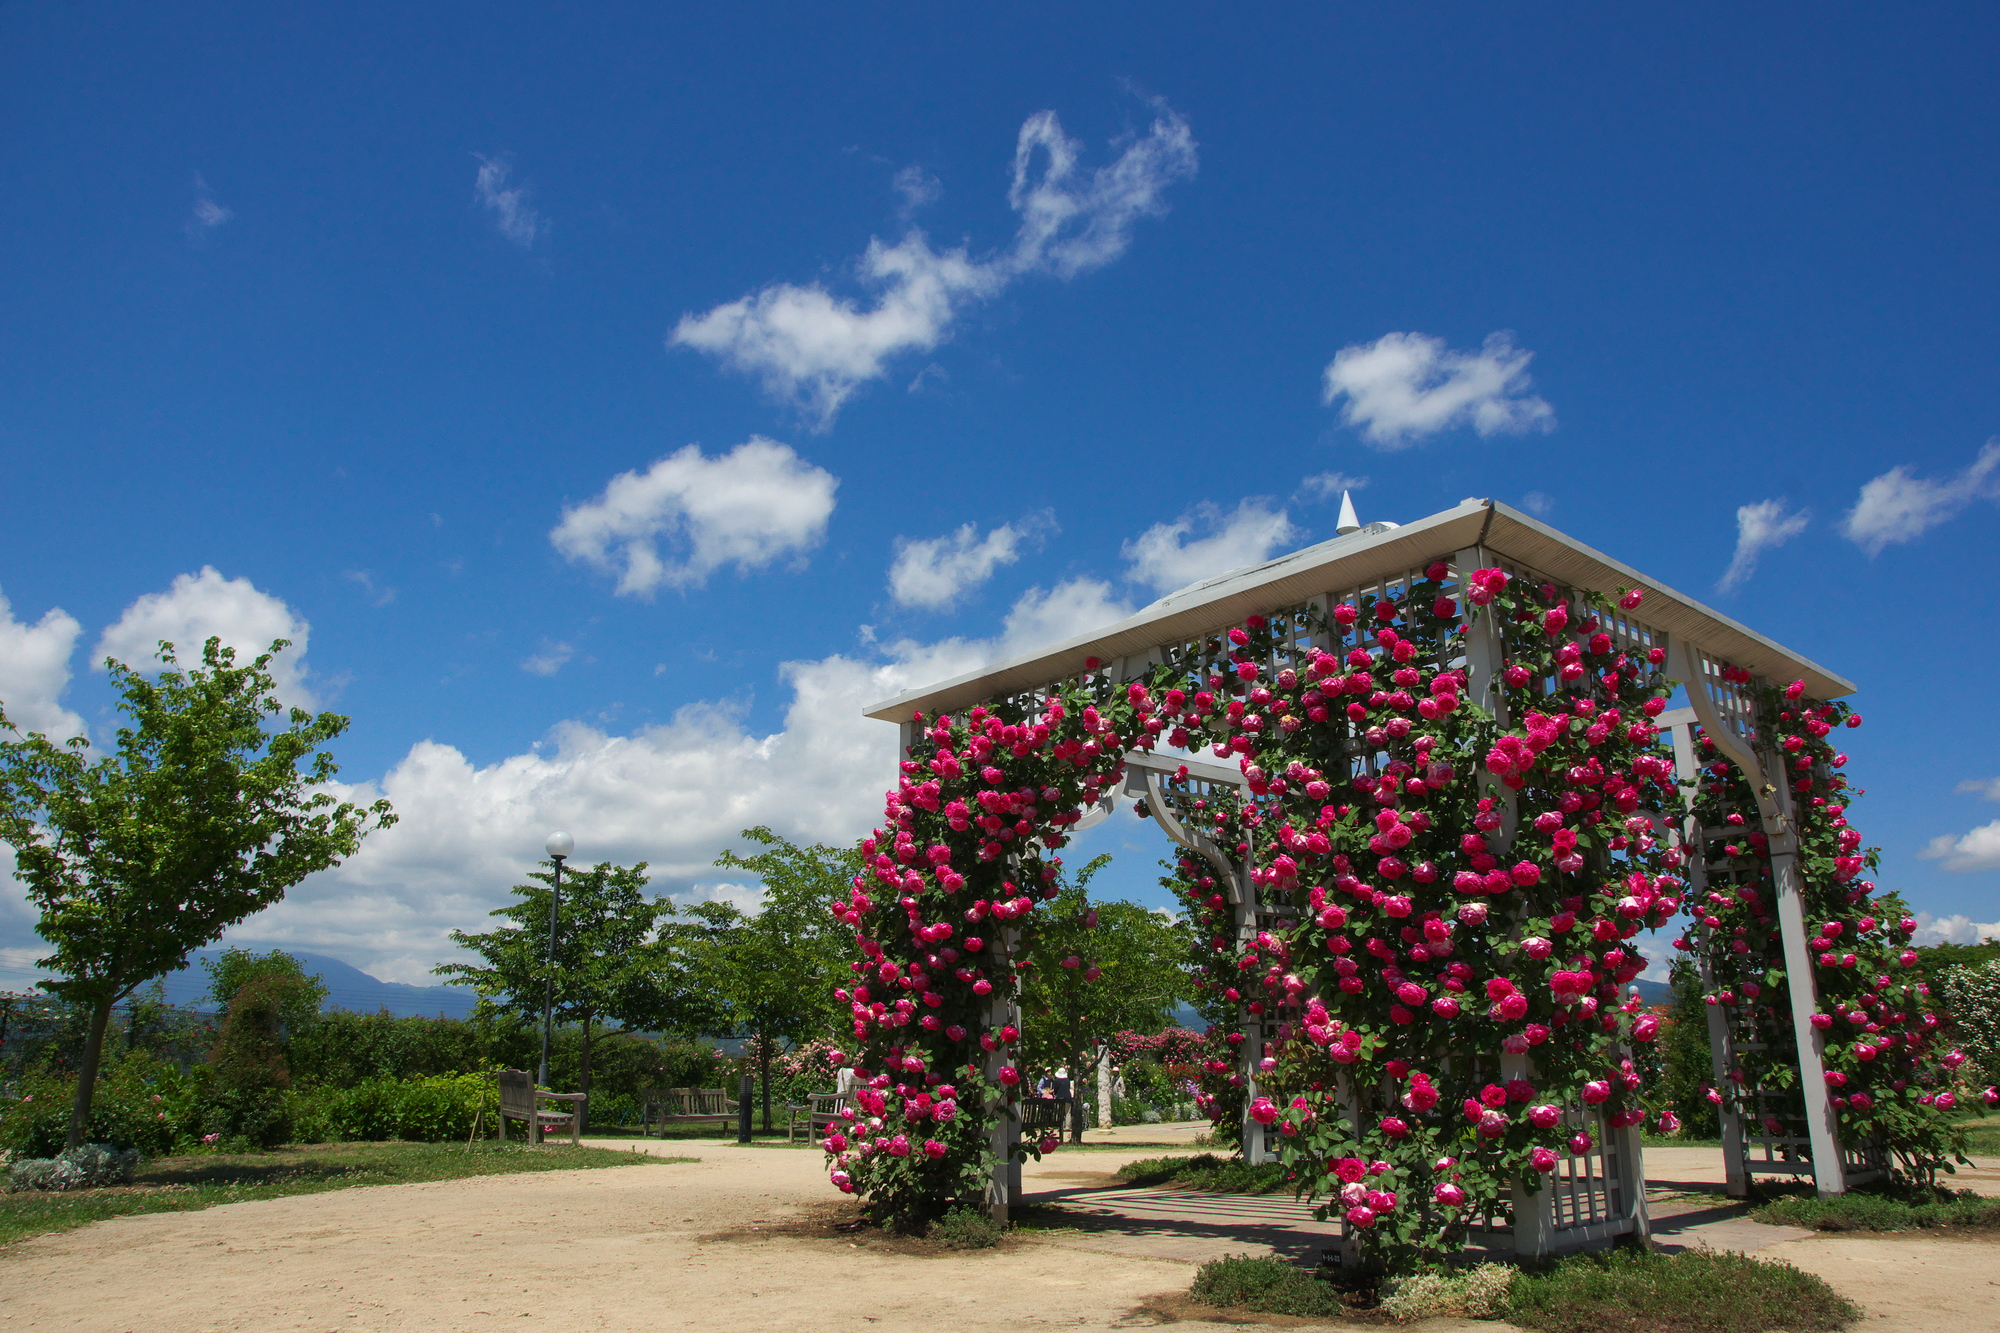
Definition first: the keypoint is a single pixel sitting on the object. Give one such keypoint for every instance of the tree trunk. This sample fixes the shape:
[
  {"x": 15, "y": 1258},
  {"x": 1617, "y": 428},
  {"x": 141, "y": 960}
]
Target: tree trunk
[
  {"x": 1076, "y": 1067},
  {"x": 583, "y": 1077},
  {"x": 86, "y": 1077},
  {"x": 764, "y": 1075}
]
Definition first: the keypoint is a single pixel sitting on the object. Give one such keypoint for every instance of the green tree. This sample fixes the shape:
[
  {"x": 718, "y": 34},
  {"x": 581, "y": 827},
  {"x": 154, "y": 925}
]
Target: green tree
[
  {"x": 612, "y": 964},
  {"x": 1096, "y": 969},
  {"x": 207, "y": 810},
  {"x": 299, "y": 993},
  {"x": 774, "y": 972}
]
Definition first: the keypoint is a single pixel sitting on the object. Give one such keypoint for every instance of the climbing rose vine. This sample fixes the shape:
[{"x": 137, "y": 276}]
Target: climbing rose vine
[{"x": 1891, "y": 1072}]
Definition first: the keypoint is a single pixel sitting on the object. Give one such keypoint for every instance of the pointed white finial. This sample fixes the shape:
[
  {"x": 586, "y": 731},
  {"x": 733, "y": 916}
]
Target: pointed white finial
[{"x": 1348, "y": 522}]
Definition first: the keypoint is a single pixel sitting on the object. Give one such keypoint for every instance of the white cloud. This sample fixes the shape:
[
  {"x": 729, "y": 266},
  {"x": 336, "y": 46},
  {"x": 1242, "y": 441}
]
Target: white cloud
[
  {"x": 206, "y": 215},
  {"x": 198, "y": 607},
  {"x": 1537, "y": 503},
  {"x": 747, "y": 507},
  {"x": 511, "y": 214},
  {"x": 1063, "y": 612},
  {"x": 1897, "y": 507},
  {"x": 934, "y": 572},
  {"x": 1987, "y": 787},
  {"x": 1329, "y": 485},
  {"x": 815, "y": 349},
  {"x": 918, "y": 189},
  {"x": 1404, "y": 386},
  {"x": 673, "y": 795},
  {"x": 1977, "y": 850},
  {"x": 1759, "y": 528},
  {"x": 548, "y": 659},
  {"x": 1955, "y": 929},
  {"x": 1165, "y": 558},
  {"x": 34, "y": 671}
]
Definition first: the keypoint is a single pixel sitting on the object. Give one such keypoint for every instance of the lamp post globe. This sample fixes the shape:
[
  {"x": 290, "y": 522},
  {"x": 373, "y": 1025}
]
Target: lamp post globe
[{"x": 559, "y": 846}]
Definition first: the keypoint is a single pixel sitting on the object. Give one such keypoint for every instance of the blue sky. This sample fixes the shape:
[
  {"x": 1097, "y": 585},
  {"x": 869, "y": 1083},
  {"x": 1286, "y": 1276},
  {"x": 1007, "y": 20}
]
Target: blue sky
[{"x": 369, "y": 309}]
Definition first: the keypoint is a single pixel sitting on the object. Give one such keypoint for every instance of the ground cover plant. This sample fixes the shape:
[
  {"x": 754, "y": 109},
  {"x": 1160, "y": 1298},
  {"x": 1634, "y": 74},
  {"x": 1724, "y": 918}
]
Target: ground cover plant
[
  {"x": 1206, "y": 1171},
  {"x": 1267, "y": 1286},
  {"x": 1873, "y": 1210},
  {"x": 185, "y": 1184},
  {"x": 1695, "y": 1291}
]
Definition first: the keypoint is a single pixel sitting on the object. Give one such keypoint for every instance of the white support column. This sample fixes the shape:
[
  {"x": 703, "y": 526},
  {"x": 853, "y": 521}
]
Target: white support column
[
  {"x": 1252, "y": 1024},
  {"x": 1104, "y": 1087},
  {"x": 1679, "y": 724},
  {"x": 1004, "y": 1134},
  {"x": 1774, "y": 808},
  {"x": 1534, "y": 1213}
]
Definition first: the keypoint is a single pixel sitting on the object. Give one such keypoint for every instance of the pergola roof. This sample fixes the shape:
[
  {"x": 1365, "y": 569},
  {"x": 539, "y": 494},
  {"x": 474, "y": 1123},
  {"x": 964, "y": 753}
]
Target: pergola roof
[{"x": 1356, "y": 560}]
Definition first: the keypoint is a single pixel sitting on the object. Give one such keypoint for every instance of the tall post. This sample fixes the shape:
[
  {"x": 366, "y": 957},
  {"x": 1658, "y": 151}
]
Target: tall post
[
  {"x": 549, "y": 982},
  {"x": 1774, "y": 809},
  {"x": 1104, "y": 1086},
  {"x": 1004, "y": 1129}
]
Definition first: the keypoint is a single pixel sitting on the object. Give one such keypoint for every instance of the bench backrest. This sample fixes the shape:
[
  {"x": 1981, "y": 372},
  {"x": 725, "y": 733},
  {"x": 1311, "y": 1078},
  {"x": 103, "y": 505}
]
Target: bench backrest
[
  {"x": 517, "y": 1093},
  {"x": 708, "y": 1101},
  {"x": 827, "y": 1103}
]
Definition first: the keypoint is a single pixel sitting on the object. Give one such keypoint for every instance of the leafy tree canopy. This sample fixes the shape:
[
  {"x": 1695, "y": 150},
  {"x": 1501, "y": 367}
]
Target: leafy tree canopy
[
  {"x": 297, "y": 993},
  {"x": 213, "y": 801}
]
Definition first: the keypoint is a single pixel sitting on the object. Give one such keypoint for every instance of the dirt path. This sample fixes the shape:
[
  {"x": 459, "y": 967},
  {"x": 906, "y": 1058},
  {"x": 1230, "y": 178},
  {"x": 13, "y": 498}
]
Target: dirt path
[{"x": 705, "y": 1245}]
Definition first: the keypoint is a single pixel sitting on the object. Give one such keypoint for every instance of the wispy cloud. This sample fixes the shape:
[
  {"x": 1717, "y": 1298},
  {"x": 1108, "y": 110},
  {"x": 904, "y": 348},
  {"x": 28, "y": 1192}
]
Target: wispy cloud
[
  {"x": 377, "y": 594},
  {"x": 1404, "y": 386},
  {"x": 917, "y": 189},
  {"x": 745, "y": 508},
  {"x": 1537, "y": 503},
  {"x": 814, "y": 349},
  {"x": 512, "y": 216},
  {"x": 1759, "y": 528},
  {"x": 550, "y": 658},
  {"x": 1168, "y": 556},
  {"x": 1329, "y": 485},
  {"x": 1898, "y": 507},
  {"x": 206, "y": 215}
]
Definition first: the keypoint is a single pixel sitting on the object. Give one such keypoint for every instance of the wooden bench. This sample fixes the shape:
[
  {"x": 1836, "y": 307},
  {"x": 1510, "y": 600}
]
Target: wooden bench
[
  {"x": 1043, "y": 1114},
  {"x": 820, "y": 1112},
  {"x": 684, "y": 1106},
  {"x": 519, "y": 1100}
]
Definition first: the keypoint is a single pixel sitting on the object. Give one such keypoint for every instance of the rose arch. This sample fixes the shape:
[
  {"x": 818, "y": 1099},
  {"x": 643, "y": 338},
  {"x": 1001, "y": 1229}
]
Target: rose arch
[{"x": 1427, "y": 785}]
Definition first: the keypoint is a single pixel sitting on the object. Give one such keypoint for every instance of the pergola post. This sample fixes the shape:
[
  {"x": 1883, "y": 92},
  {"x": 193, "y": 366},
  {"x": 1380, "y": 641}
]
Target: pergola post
[
  {"x": 1774, "y": 811},
  {"x": 1679, "y": 724}
]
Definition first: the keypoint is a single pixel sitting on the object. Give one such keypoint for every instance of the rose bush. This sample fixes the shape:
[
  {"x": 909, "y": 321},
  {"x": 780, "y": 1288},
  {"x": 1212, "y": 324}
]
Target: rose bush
[{"x": 1890, "y": 1068}]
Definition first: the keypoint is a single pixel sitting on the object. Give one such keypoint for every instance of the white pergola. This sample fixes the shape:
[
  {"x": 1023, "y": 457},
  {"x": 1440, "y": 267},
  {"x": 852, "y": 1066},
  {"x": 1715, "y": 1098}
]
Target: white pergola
[{"x": 1602, "y": 1195}]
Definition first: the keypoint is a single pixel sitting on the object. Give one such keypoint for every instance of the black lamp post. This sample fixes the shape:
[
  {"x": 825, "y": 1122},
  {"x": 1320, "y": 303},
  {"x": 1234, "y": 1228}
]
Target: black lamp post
[{"x": 559, "y": 846}]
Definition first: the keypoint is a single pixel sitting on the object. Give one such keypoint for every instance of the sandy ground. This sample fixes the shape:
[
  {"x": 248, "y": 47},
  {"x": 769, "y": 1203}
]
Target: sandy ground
[{"x": 705, "y": 1245}]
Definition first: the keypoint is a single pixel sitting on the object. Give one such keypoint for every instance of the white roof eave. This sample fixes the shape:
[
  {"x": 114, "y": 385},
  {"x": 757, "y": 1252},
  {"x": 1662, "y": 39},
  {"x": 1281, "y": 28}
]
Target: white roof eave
[{"x": 1355, "y": 561}]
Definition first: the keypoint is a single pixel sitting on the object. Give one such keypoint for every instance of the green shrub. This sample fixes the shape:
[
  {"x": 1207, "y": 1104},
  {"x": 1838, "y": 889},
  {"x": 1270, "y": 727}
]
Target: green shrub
[
  {"x": 1206, "y": 1171},
  {"x": 1870, "y": 1211},
  {"x": 1267, "y": 1286},
  {"x": 415, "y": 1110},
  {"x": 141, "y": 1103},
  {"x": 1695, "y": 1291},
  {"x": 965, "y": 1229},
  {"x": 1971, "y": 997}
]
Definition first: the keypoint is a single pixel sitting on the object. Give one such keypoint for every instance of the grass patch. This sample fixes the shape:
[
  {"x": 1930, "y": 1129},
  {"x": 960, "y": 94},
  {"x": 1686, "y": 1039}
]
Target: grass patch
[
  {"x": 1868, "y": 1210},
  {"x": 1267, "y": 1286},
  {"x": 1206, "y": 1171},
  {"x": 185, "y": 1184},
  {"x": 1696, "y": 1291},
  {"x": 965, "y": 1229}
]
